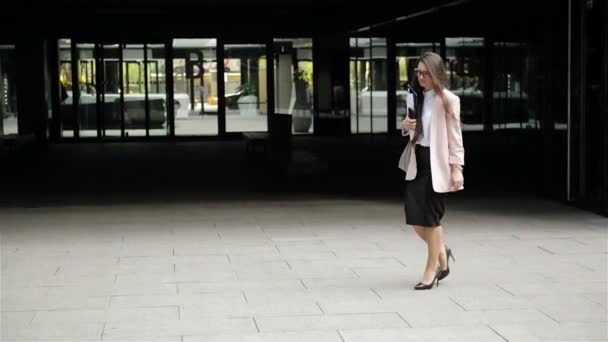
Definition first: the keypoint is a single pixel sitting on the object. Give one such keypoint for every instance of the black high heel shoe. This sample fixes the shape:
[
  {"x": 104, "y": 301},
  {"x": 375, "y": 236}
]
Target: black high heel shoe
[
  {"x": 423, "y": 286},
  {"x": 446, "y": 272}
]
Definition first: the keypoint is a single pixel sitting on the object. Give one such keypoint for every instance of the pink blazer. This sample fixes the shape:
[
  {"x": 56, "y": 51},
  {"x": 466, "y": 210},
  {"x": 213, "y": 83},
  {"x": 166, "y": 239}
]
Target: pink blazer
[{"x": 446, "y": 145}]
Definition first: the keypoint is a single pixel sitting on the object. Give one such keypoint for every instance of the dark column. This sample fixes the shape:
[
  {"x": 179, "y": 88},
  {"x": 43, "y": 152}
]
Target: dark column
[
  {"x": 554, "y": 62},
  {"x": 32, "y": 117},
  {"x": 270, "y": 81},
  {"x": 170, "y": 87},
  {"x": 52, "y": 59},
  {"x": 488, "y": 84},
  {"x": 391, "y": 88},
  {"x": 221, "y": 102},
  {"x": 604, "y": 105}
]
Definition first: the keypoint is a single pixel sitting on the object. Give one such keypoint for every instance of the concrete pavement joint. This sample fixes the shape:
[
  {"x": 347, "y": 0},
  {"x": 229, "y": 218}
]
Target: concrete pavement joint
[
  {"x": 497, "y": 333},
  {"x": 455, "y": 302},
  {"x": 403, "y": 319},
  {"x": 256, "y": 324},
  {"x": 502, "y": 288},
  {"x": 377, "y": 294},
  {"x": 546, "y": 250},
  {"x": 549, "y": 316},
  {"x": 342, "y": 338}
]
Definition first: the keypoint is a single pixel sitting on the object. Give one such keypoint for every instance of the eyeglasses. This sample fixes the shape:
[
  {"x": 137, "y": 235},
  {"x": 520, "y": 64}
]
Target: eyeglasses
[{"x": 422, "y": 74}]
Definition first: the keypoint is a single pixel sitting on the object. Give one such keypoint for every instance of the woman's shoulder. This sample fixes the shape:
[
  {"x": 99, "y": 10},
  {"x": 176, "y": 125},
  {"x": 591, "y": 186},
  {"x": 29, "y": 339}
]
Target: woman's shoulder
[{"x": 450, "y": 96}]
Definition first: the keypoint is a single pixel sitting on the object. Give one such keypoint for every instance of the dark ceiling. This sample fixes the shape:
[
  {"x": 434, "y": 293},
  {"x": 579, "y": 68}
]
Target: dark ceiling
[{"x": 255, "y": 19}]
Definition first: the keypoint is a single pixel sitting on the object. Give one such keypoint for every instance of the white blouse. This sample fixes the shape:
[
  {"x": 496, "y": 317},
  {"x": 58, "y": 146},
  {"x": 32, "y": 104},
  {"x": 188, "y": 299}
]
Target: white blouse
[{"x": 429, "y": 100}]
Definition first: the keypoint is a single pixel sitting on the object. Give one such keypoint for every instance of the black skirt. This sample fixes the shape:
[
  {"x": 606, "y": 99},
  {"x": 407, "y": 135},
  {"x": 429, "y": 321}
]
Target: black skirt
[{"x": 423, "y": 206}]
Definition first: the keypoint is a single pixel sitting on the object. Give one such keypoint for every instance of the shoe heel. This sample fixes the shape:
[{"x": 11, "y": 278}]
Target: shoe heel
[{"x": 449, "y": 254}]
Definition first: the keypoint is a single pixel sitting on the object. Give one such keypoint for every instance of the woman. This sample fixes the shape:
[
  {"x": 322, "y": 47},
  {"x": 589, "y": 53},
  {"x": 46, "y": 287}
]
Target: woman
[{"x": 433, "y": 161}]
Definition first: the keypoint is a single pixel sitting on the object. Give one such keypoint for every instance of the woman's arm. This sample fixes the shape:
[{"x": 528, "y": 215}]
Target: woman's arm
[{"x": 455, "y": 145}]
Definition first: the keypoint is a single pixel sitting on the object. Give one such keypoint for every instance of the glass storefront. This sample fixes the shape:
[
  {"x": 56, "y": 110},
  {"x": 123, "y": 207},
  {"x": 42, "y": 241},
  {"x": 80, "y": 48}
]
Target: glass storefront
[{"x": 126, "y": 84}]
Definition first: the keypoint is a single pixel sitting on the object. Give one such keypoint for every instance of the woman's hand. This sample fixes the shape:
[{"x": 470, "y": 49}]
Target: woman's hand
[
  {"x": 457, "y": 178},
  {"x": 408, "y": 124}
]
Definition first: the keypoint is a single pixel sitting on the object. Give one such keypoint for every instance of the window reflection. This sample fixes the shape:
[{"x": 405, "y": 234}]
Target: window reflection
[
  {"x": 464, "y": 64},
  {"x": 513, "y": 105}
]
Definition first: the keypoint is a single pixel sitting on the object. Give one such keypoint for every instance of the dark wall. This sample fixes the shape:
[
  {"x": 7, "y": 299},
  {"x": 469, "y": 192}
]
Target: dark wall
[
  {"x": 240, "y": 19},
  {"x": 604, "y": 114},
  {"x": 554, "y": 51},
  {"x": 31, "y": 87},
  {"x": 499, "y": 20},
  {"x": 589, "y": 145}
]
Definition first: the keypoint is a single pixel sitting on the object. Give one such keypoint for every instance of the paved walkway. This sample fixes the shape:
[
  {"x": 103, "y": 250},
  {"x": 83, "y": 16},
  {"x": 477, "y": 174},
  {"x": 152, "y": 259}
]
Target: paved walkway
[{"x": 319, "y": 270}]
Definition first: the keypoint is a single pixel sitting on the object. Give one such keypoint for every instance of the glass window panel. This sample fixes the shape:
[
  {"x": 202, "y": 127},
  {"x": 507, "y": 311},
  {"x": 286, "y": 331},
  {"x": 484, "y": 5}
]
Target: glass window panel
[
  {"x": 195, "y": 86},
  {"x": 65, "y": 88},
  {"x": 8, "y": 90},
  {"x": 110, "y": 86},
  {"x": 135, "y": 90},
  {"x": 246, "y": 88},
  {"x": 368, "y": 85},
  {"x": 293, "y": 83},
  {"x": 359, "y": 82},
  {"x": 87, "y": 85},
  {"x": 465, "y": 65},
  {"x": 157, "y": 95},
  {"x": 511, "y": 96}
]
